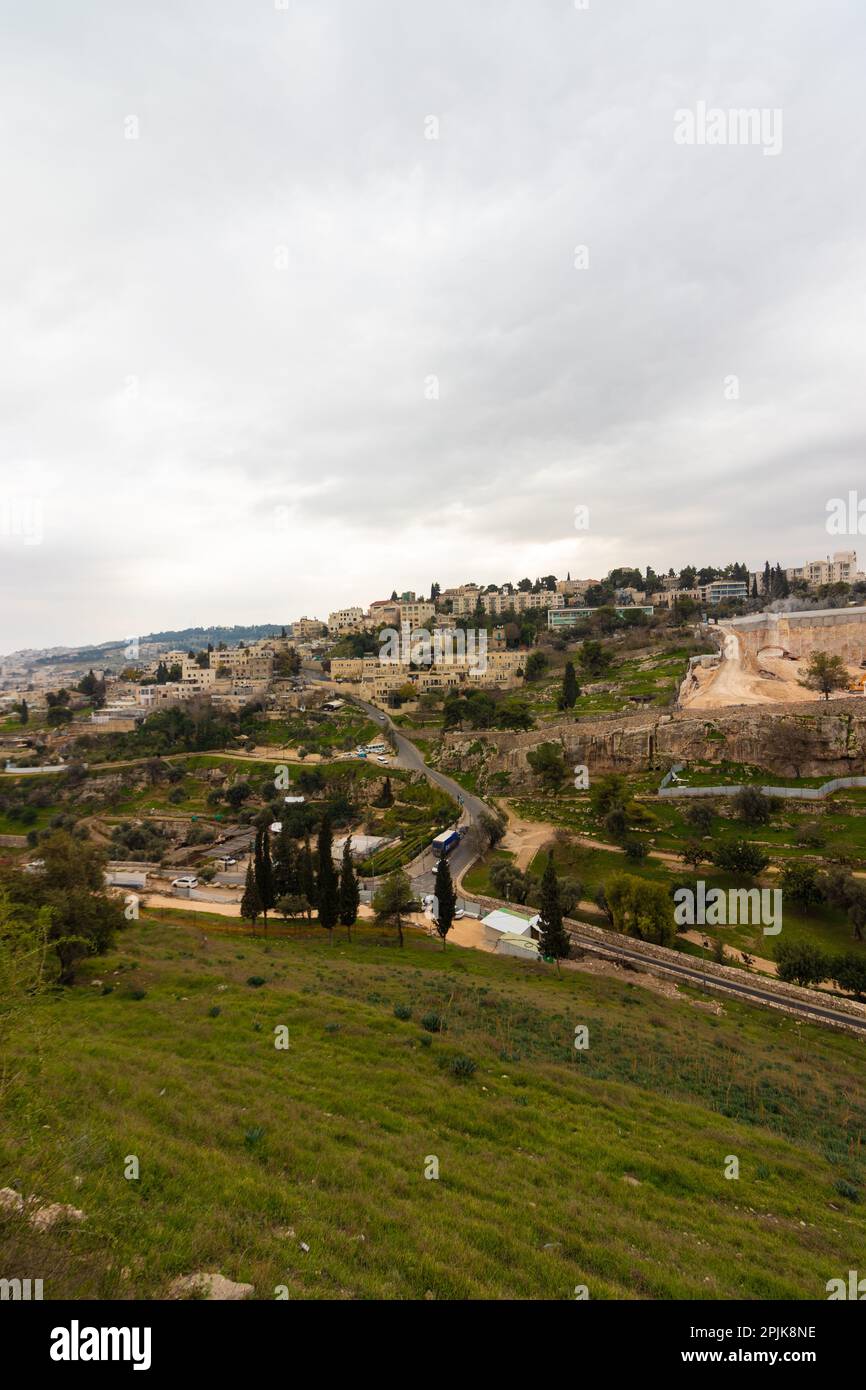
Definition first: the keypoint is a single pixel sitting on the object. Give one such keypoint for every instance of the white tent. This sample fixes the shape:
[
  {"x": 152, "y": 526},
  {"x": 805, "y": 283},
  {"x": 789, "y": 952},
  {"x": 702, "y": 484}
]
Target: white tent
[{"x": 511, "y": 923}]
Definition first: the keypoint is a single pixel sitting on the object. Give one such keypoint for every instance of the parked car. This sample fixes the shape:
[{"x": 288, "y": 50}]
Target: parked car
[
  {"x": 185, "y": 881},
  {"x": 458, "y": 914},
  {"x": 227, "y": 861}
]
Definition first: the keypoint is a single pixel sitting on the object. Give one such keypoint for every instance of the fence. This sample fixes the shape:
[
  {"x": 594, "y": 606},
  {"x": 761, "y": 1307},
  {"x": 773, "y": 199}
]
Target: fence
[{"x": 795, "y": 793}]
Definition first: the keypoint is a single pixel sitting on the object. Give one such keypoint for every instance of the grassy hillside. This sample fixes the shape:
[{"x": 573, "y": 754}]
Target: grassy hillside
[{"x": 557, "y": 1168}]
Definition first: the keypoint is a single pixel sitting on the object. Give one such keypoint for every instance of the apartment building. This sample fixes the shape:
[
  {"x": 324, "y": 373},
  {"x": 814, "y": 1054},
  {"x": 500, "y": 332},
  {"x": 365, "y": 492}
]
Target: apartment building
[
  {"x": 562, "y": 618},
  {"x": 841, "y": 569},
  {"x": 305, "y": 628},
  {"x": 245, "y": 663},
  {"x": 347, "y": 668},
  {"x": 723, "y": 591},
  {"x": 345, "y": 620},
  {"x": 384, "y": 612},
  {"x": 465, "y": 605},
  {"x": 575, "y": 588},
  {"x": 418, "y": 613},
  {"x": 666, "y": 598}
]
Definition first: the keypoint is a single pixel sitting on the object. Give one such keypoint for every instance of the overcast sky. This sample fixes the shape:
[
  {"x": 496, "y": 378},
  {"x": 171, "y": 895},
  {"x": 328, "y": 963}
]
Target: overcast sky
[{"x": 223, "y": 340}]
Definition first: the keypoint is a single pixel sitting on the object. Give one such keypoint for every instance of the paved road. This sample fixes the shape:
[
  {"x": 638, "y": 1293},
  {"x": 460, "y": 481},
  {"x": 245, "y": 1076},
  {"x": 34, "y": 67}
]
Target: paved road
[
  {"x": 749, "y": 991},
  {"x": 473, "y": 807}
]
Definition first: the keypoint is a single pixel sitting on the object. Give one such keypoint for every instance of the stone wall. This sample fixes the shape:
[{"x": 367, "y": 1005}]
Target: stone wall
[
  {"x": 831, "y": 738},
  {"x": 840, "y": 631}
]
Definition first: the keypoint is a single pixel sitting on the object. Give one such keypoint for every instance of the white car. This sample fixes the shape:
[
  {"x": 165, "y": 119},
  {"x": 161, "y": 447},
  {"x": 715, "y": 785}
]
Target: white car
[
  {"x": 227, "y": 861},
  {"x": 382, "y": 759},
  {"x": 187, "y": 881},
  {"x": 458, "y": 914}
]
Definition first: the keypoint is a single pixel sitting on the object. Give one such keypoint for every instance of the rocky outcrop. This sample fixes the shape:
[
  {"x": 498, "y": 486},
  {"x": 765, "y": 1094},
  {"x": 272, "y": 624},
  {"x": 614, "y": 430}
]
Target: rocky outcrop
[{"x": 814, "y": 739}]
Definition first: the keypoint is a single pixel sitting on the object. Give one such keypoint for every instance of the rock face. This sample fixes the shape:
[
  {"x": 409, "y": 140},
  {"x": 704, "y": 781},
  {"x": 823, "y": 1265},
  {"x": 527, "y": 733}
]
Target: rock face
[
  {"x": 811, "y": 739},
  {"x": 211, "y": 1287}
]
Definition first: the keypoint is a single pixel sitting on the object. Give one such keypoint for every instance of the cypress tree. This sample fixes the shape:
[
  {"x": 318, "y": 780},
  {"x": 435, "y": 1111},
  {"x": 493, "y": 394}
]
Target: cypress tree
[
  {"x": 570, "y": 687},
  {"x": 350, "y": 893},
  {"x": 327, "y": 889},
  {"x": 286, "y": 881},
  {"x": 446, "y": 901},
  {"x": 306, "y": 875},
  {"x": 553, "y": 938},
  {"x": 264, "y": 872},
  {"x": 251, "y": 903}
]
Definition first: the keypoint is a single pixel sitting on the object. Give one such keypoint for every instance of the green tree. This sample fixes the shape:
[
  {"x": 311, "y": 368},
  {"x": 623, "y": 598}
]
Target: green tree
[
  {"x": 23, "y": 950},
  {"x": 752, "y": 806},
  {"x": 350, "y": 893},
  {"x": 264, "y": 872},
  {"x": 740, "y": 857},
  {"x": 803, "y": 884},
  {"x": 849, "y": 972},
  {"x": 446, "y": 901},
  {"x": 291, "y": 905},
  {"x": 553, "y": 939},
  {"x": 548, "y": 762},
  {"x": 801, "y": 963},
  {"x": 826, "y": 673},
  {"x": 594, "y": 659},
  {"x": 327, "y": 885},
  {"x": 307, "y": 875},
  {"x": 536, "y": 665},
  {"x": 84, "y": 920},
  {"x": 492, "y": 828},
  {"x": 251, "y": 903},
  {"x": 393, "y": 900},
  {"x": 286, "y": 877},
  {"x": 640, "y": 908},
  {"x": 570, "y": 687}
]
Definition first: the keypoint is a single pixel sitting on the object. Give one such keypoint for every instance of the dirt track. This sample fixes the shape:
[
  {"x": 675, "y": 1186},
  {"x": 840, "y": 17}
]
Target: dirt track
[{"x": 741, "y": 681}]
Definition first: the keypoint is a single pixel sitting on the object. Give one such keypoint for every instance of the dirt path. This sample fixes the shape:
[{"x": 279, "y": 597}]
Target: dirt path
[
  {"x": 524, "y": 838},
  {"x": 766, "y": 967}
]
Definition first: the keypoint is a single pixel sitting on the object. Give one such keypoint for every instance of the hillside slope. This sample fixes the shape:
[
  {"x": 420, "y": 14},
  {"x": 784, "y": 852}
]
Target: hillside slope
[{"x": 557, "y": 1168}]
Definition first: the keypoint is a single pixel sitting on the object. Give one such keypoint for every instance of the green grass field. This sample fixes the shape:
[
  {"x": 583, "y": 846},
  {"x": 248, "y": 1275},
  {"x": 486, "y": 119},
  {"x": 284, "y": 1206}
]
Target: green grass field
[{"x": 556, "y": 1168}]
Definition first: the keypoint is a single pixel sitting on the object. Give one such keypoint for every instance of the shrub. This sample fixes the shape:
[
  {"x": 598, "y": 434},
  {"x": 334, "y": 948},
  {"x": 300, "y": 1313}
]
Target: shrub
[
  {"x": 740, "y": 857},
  {"x": 256, "y": 981},
  {"x": 402, "y": 1011},
  {"x": 214, "y": 1012},
  {"x": 462, "y": 1067},
  {"x": 847, "y": 1190},
  {"x": 432, "y": 1022}
]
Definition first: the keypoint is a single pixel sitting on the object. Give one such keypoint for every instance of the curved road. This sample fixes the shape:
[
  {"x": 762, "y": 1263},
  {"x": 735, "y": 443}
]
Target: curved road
[
  {"x": 468, "y": 849},
  {"x": 748, "y": 991}
]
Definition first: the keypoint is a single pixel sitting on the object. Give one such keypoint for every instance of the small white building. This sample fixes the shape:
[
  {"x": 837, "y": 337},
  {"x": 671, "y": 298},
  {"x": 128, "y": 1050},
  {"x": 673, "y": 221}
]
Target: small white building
[
  {"x": 508, "y": 923},
  {"x": 511, "y": 944}
]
